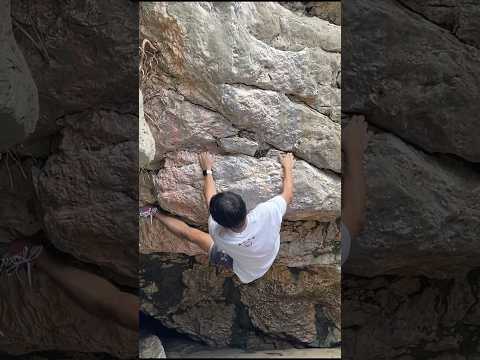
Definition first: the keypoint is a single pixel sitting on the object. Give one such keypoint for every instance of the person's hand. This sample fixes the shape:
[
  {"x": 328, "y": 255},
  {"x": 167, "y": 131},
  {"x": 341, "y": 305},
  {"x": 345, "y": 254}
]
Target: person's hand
[
  {"x": 354, "y": 136},
  {"x": 206, "y": 160},
  {"x": 287, "y": 161}
]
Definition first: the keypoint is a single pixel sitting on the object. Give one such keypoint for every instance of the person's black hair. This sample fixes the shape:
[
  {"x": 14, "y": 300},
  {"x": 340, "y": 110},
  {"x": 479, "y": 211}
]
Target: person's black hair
[{"x": 228, "y": 209}]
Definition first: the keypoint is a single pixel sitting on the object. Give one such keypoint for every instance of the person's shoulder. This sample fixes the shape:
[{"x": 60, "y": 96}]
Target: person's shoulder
[{"x": 277, "y": 203}]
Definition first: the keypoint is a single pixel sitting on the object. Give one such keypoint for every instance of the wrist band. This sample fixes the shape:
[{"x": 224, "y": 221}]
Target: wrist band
[{"x": 207, "y": 172}]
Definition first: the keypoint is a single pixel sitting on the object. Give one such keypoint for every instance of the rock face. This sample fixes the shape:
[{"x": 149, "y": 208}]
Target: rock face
[
  {"x": 87, "y": 192},
  {"x": 395, "y": 317},
  {"x": 54, "y": 317},
  {"x": 404, "y": 89},
  {"x": 255, "y": 68},
  {"x": 436, "y": 214},
  {"x": 410, "y": 286},
  {"x": 18, "y": 215},
  {"x": 299, "y": 306},
  {"x": 96, "y": 79},
  {"x": 18, "y": 92},
  {"x": 247, "y": 82},
  {"x": 146, "y": 142},
  {"x": 179, "y": 186},
  {"x": 71, "y": 181},
  {"x": 326, "y": 10}
]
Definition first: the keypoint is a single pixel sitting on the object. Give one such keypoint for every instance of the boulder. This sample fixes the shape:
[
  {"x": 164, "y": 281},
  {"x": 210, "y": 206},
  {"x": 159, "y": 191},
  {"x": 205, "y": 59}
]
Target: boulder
[
  {"x": 44, "y": 318},
  {"x": 18, "y": 92},
  {"x": 299, "y": 305},
  {"x": 414, "y": 326},
  {"x": 302, "y": 243},
  {"x": 179, "y": 186},
  {"x": 87, "y": 194},
  {"x": 401, "y": 69},
  {"x": 82, "y": 42},
  {"x": 182, "y": 124},
  {"x": 233, "y": 67},
  {"x": 247, "y": 82},
  {"x": 423, "y": 212},
  {"x": 458, "y": 17}
]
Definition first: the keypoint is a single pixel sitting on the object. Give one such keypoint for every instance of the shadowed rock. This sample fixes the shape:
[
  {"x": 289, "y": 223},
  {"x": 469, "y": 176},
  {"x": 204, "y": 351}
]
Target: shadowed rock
[{"x": 18, "y": 92}]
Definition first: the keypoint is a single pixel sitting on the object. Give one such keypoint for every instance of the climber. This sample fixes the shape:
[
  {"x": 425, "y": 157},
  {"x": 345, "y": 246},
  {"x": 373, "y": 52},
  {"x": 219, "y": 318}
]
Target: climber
[
  {"x": 91, "y": 292},
  {"x": 245, "y": 242},
  {"x": 354, "y": 142}
]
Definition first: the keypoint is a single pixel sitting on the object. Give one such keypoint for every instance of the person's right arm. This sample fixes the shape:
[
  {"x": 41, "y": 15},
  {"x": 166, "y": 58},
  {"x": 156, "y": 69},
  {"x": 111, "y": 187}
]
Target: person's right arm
[{"x": 287, "y": 164}]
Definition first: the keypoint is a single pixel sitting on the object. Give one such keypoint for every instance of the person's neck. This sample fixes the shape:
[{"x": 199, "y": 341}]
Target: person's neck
[{"x": 240, "y": 228}]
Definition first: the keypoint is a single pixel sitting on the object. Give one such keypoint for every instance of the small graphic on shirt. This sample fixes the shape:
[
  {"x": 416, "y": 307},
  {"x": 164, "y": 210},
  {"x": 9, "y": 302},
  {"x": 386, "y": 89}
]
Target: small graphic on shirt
[{"x": 247, "y": 243}]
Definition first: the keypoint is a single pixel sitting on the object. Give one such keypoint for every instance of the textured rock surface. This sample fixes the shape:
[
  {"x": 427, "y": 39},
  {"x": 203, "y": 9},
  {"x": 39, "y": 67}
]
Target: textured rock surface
[
  {"x": 18, "y": 92},
  {"x": 44, "y": 318},
  {"x": 458, "y": 17},
  {"x": 410, "y": 286},
  {"x": 150, "y": 347},
  {"x": 87, "y": 194},
  {"x": 239, "y": 66},
  {"x": 69, "y": 180},
  {"x": 302, "y": 242},
  {"x": 299, "y": 306},
  {"x": 404, "y": 89},
  {"x": 146, "y": 142},
  {"x": 326, "y": 10},
  {"x": 248, "y": 82},
  {"x": 18, "y": 216},
  {"x": 78, "y": 41},
  {"x": 430, "y": 219},
  {"x": 395, "y": 317},
  {"x": 179, "y": 186}
]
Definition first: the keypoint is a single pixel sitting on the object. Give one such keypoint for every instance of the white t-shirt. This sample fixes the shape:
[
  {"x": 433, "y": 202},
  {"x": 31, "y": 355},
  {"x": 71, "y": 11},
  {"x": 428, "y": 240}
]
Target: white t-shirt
[{"x": 255, "y": 248}]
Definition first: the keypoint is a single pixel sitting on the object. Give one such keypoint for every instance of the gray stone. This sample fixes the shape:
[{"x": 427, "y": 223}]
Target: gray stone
[
  {"x": 284, "y": 124},
  {"x": 146, "y": 142},
  {"x": 179, "y": 186},
  {"x": 458, "y": 17},
  {"x": 247, "y": 82},
  {"x": 18, "y": 92},
  {"x": 275, "y": 76},
  {"x": 430, "y": 219},
  {"x": 56, "y": 50},
  {"x": 211, "y": 306},
  {"x": 239, "y": 145},
  {"x": 177, "y": 123},
  {"x": 414, "y": 326},
  {"x": 87, "y": 196},
  {"x": 404, "y": 88},
  {"x": 55, "y": 315},
  {"x": 150, "y": 347}
]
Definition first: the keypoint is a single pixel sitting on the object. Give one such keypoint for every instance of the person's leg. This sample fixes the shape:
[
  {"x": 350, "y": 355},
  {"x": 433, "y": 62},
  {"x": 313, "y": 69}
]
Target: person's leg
[
  {"x": 180, "y": 228},
  {"x": 93, "y": 293}
]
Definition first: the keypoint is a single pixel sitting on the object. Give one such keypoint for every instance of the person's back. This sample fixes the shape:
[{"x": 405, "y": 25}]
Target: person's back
[
  {"x": 246, "y": 243},
  {"x": 255, "y": 248}
]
